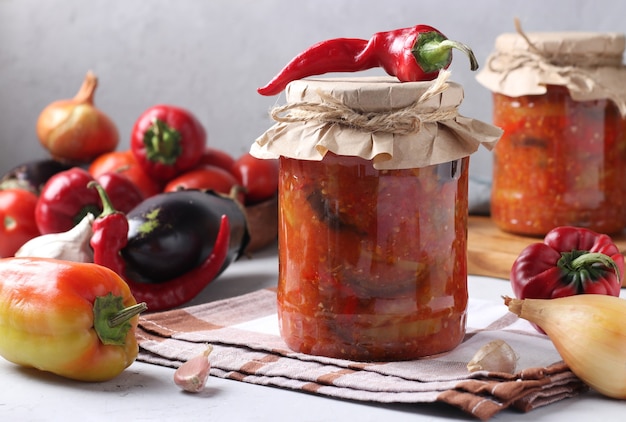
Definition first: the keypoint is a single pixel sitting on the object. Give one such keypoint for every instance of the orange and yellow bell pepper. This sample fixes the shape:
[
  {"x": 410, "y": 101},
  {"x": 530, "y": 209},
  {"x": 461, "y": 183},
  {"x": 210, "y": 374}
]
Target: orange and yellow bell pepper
[{"x": 76, "y": 320}]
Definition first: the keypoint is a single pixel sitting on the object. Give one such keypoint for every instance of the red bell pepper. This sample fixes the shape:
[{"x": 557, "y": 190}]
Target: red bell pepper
[
  {"x": 411, "y": 54},
  {"x": 570, "y": 261},
  {"x": 167, "y": 141},
  {"x": 66, "y": 198}
]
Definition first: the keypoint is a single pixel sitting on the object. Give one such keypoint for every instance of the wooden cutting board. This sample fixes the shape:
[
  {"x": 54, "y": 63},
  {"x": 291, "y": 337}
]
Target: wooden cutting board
[{"x": 491, "y": 252}]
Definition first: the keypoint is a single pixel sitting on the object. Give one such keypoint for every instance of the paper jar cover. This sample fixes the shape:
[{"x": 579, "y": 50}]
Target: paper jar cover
[{"x": 394, "y": 124}]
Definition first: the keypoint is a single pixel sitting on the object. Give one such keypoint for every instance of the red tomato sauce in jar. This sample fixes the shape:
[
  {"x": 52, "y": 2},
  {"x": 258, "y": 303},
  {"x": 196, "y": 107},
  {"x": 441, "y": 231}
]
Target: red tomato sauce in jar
[
  {"x": 375, "y": 267},
  {"x": 560, "y": 162}
]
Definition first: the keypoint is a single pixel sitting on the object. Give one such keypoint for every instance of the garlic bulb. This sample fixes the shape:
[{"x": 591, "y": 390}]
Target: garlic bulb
[
  {"x": 589, "y": 333},
  {"x": 495, "y": 356},
  {"x": 72, "y": 245},
  {"x": 191, "y": 376}
]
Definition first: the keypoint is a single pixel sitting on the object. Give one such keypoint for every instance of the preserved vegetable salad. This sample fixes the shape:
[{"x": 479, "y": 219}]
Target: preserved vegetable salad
[
  {"x": 560, "y": 162},
  {"x": 375, "y": 267}
]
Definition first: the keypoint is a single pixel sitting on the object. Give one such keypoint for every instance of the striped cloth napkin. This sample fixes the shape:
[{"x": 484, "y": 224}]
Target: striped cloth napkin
[{"x": 247, "y": 347}]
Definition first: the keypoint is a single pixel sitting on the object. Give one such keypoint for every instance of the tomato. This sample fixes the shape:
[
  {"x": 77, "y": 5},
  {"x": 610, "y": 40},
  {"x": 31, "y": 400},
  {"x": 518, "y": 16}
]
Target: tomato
[
  {"x": 217, "y": 157},
  {"x": 258, "y": 176},
  {"x": 205, "y": 177},
  {"x": 17, "y": 213},
  {"x": 124, "y": 162}
]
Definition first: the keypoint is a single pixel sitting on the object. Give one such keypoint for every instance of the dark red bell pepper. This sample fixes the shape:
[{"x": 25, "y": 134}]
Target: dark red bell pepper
[
  {"x": 411, "y": 54},
  {"x": 570, "y": 261},
  {"x": 166, "y": 141},
  {"x": 66, "y": 198},
  {"x": 110, "y": 236}
]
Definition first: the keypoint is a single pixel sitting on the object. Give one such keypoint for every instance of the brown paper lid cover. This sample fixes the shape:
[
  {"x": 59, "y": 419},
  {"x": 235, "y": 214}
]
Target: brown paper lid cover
[
  {"x": 589, "y": 64},
  {"x": 394, "y": 124}
]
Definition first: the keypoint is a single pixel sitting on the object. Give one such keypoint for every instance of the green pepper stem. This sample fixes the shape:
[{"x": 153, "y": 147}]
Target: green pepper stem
[
  {"x": 162, "y": 142},
  {"x": 594, "y": 258},
  {"x": 111, "y": 320},
  {"x": 465, "y": 49},
  {"x": 433, "y": 52},
  {"x": 125, "y": 314},
  {"x": 107, "y": 205}
]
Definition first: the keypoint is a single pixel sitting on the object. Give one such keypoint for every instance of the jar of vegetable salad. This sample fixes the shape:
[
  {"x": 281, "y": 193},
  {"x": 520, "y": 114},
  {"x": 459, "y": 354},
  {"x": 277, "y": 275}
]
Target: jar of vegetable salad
[
  {"x": 373, "y": 216},
  {"x": 561, "y": 100}
]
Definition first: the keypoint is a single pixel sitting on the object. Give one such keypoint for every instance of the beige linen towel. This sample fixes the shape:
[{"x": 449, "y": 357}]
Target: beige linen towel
[{"x": 247, "y": 347}]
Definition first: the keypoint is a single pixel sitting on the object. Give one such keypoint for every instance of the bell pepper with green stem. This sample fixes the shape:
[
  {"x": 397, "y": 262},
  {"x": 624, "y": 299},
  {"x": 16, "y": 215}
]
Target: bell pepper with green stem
[
  {"x": 570, "y": 261},
  {"x": 166, "y": 141},
  {"x": 66, "y": 198},
  {"x": 76, "y": 320}
]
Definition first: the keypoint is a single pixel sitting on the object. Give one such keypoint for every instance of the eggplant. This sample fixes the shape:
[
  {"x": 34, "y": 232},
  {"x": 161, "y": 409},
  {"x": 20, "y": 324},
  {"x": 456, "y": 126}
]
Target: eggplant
[
  {"x": 172, "y": 233},
  {"x": 32, "y": 175}
]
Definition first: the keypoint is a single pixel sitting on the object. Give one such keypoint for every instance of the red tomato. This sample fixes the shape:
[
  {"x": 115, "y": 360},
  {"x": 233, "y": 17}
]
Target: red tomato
[
  {"x": 217, "y": 157},
  {"x": 17, "y": 213},
  {"x": 258, "y": 176},
  {"x": 124, "y": 162},
  {"x": 205, "y": 178}
]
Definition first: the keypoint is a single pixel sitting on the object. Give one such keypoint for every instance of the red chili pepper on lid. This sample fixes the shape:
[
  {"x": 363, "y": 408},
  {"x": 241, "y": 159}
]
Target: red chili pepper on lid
[
  {"x": 110, "y": 236},
  {"x": 411, "y": 54}
]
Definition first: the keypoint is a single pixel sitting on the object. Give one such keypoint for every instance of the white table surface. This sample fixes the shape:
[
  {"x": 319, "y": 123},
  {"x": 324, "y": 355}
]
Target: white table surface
[{"x": 146, "y": 392}]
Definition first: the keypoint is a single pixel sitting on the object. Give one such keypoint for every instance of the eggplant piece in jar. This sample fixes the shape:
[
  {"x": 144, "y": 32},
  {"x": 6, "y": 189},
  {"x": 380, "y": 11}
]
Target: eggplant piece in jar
[{"x": 172, "y": 233}]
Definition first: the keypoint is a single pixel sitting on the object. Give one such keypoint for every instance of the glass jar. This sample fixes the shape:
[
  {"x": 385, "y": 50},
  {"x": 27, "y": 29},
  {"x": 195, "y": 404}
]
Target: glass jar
[
  {"x": 560, "y": 98},
  {"x": 372, "y": 264},
  {"x": 372, "y": 234},
  {"x": 559, "y": 162}
]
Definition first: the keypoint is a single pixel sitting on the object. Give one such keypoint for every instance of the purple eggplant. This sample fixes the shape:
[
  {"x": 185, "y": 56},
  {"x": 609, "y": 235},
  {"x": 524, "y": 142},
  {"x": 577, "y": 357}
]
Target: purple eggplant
[
  {"x": 32, "y": 175},
  {"x": 171, "y": 233}
]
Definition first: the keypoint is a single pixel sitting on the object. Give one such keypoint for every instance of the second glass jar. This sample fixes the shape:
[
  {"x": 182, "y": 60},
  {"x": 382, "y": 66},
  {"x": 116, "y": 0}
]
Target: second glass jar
[{"x": 559, "y": 162}]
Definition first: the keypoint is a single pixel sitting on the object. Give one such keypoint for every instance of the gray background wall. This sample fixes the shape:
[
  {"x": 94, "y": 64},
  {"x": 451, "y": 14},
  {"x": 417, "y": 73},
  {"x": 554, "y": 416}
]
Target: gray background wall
[{"x": 210, "y": 56}]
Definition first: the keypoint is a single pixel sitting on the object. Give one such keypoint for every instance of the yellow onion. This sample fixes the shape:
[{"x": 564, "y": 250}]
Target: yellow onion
[
  {"x": 74, "y": 130},
  {"x": 588, "y": 331}
]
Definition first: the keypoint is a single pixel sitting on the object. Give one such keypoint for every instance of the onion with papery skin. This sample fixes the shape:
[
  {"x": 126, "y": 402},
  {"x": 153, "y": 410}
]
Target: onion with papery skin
[
  {"x": 589, "y": 333},
  {"x": 74, "y": 130}
]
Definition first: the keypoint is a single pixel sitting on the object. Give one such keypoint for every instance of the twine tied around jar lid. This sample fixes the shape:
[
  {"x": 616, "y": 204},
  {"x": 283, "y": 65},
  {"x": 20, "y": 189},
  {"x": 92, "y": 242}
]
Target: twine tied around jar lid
[
  {"x": 518, "y": 57},
  {"x": 589, "y": 64},
  {"x": 399, "y": 121},
  {"x": 396, "y": 125}
]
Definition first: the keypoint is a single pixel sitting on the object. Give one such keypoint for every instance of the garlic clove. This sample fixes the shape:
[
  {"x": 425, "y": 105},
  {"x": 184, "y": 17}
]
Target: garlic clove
[
  {"x": 191, "y": 376},
  {"x": 72, "y": 245},
  {"x": 588, "y": 331},
  {"x": 495, "y": 356}
]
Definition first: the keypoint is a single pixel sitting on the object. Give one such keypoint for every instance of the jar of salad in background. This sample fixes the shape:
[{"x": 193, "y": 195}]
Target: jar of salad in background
[
  {"x": 561, "y": 100},
  {"x": 373, "y": 216}
]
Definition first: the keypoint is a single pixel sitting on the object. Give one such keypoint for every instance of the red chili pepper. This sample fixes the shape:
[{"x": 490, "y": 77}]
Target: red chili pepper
[
  {"x": 110, "y": 235},
  {"x": 570, "y": 261},
  {"x": 166, "y": 141},
  {"x": 411, "y": 54}
]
